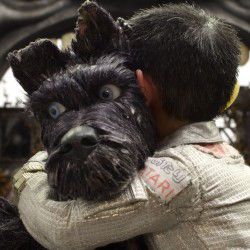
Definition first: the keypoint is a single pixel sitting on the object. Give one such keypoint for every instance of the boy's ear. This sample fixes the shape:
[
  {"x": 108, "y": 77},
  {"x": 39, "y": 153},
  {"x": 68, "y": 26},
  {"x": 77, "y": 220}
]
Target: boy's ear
[
  {"x": 96, "y": 31},
  {"x": 36, "y": 62},
  {"x": 147, "y": 87}
]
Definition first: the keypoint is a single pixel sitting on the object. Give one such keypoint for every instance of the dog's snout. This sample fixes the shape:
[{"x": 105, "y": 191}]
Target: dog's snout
[{"x": 80, "y": 140}]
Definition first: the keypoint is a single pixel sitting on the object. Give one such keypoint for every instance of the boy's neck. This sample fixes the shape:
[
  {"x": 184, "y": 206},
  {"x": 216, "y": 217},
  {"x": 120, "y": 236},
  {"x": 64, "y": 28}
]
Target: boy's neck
[{"x": 165, "y": 124}]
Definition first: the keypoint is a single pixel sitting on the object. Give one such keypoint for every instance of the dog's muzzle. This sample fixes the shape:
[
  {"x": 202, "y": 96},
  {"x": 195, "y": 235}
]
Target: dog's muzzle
[{"x": 79, "y": 142}]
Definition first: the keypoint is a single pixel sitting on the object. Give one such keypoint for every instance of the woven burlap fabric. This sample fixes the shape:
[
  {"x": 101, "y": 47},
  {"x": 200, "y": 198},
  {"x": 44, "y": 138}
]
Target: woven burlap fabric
[{"x": 213, "y": 212}]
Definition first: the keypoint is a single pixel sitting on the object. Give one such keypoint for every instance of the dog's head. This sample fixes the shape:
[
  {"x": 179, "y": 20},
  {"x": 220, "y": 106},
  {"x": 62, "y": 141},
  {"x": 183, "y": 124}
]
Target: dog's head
[{"x": 95, "y": 125}]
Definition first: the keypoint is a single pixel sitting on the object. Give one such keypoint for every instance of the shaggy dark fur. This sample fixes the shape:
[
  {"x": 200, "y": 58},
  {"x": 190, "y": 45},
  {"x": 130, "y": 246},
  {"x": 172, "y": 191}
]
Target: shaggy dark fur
[{"x": 95, "y": 125}]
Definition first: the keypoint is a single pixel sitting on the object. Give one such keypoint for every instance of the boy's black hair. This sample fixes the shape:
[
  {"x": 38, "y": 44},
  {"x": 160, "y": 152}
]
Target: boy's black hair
[{"x": 191, "y": 56}]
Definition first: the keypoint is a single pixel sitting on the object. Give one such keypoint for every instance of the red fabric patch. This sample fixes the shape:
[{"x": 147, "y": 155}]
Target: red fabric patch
[{"x": 218, "y": 150}]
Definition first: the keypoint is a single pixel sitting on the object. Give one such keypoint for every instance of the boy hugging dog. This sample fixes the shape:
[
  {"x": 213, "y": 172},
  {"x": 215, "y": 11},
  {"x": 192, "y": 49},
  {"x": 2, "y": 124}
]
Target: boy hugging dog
[{"x": 194, "y": 192}]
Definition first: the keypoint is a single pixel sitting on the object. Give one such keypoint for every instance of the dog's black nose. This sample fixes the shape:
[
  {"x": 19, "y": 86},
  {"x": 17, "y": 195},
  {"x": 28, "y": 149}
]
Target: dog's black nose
[{"x": 79, "y": 141}]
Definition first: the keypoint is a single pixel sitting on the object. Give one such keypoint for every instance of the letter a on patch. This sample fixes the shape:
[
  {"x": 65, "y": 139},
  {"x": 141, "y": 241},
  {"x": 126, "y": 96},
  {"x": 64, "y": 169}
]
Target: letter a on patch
[{"x": 164, "y": 177}]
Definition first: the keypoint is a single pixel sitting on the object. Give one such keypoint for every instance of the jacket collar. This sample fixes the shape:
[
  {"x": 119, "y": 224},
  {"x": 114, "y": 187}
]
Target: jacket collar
[{"x": 195, "y": 133}]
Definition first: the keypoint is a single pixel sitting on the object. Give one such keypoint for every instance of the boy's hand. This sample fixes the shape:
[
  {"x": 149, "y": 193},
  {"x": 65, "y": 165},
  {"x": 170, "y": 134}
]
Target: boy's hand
[{"x": 35, "y": 164}]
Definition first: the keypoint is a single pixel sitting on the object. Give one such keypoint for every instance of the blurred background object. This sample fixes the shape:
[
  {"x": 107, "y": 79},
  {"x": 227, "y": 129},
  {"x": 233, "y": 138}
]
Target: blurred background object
[{"x": 23, "y": 21}]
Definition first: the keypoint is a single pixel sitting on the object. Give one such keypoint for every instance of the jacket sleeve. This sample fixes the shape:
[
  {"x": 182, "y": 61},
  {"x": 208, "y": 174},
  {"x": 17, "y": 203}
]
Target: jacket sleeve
[{"x": 77, "y": 224}]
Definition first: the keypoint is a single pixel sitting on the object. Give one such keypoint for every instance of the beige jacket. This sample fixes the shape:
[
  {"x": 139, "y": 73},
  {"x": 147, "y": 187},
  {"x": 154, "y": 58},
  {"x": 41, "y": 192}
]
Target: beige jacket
[{"x": 193, "y": 194}]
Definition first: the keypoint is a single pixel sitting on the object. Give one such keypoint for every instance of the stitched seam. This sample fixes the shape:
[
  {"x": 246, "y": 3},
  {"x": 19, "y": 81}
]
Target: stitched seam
[{"x": 200, "y": 189}]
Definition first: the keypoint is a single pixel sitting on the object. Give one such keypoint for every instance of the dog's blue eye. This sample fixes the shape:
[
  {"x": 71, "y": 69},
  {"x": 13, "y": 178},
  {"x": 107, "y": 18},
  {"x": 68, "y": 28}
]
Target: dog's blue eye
[
  {"x": 109, "y": 92},
  {"x": 56, "y": 109}
]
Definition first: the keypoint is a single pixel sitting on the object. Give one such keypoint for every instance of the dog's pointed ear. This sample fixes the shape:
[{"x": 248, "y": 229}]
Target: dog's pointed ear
[
  {"x": 35, "y": 63},
  {"x": 96, "y": 31}
]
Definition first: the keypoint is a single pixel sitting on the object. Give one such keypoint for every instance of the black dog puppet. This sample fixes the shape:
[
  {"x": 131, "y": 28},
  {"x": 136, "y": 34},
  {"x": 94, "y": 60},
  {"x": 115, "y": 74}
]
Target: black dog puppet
[{"x": 95, "y": 126}]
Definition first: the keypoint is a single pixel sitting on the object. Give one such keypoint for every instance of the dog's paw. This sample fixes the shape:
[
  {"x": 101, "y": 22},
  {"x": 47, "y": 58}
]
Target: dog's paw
[
  {"x": 13, "y": 234},
  {"x": 7, "y": 210}
]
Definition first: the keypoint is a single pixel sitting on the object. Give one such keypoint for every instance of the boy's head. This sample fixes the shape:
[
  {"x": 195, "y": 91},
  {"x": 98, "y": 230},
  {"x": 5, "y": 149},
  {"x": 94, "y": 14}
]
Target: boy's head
[{"x": 191, "y": 57}]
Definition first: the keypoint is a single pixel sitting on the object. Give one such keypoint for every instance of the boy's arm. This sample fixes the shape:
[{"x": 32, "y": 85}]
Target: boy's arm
[{"x": 78, "y": 224}]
